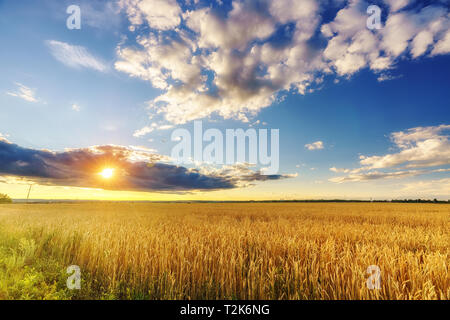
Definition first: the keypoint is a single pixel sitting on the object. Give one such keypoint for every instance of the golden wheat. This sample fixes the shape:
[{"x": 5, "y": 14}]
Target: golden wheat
[{"x": 241, "y": 251}]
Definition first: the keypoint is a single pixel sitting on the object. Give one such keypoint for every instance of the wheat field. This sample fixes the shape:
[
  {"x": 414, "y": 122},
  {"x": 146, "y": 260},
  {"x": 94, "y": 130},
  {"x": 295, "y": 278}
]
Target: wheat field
[{"x": 225, "y": 250}]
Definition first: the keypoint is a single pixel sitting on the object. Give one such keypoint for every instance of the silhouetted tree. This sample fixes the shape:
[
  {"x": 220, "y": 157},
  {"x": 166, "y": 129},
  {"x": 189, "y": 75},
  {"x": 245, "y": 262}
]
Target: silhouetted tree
[{"x": 4, "y": 198}]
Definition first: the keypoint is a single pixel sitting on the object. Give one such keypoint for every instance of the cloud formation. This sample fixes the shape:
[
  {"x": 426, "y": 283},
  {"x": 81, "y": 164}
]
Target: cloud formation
[
  {"x": 437, "y": 187},
  {"x": 377, "y": 175},
  {"x": 233, "y": 60},
  {"x": 76, "y": 107},
  {"x": 75, "y": 56},
  {"x": 418, "y": 147},
  {"x": 318, "y": 145},
  {"x": 24, "y": 93},
  {"x": 159, "y": 14},
  {"x": 136, "y": 169},
  {"x": 143, "y": 131},
  {"x": 418, "y": 150}
]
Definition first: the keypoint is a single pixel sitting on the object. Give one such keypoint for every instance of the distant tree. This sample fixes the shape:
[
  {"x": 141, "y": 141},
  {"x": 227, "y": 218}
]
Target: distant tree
[{"x": 4, "y": 198}]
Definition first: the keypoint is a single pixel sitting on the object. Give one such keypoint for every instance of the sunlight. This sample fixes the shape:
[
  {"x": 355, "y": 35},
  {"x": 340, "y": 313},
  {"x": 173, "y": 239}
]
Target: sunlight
[{"x": 107, "y": 173}]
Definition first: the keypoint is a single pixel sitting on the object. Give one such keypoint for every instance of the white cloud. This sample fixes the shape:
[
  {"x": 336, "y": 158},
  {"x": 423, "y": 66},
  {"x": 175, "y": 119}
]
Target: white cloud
[
  {"x": 377, "y": 175},
  {"x": 4, "y": 137},
  {"x": 385, "y": 77},
  {"x": 352, "y": 47},
  {"x": 406, "y": 139},
  {"x": 24, "y": 93},
  {"x": 154, "y": 126},
  {"x": 165, "y": 127},
  {"x": 421, "y": 147},
  {"x": 142, "y": 149},
  {"x": 442, "y": 46},
  {"x": 396, "y": 5},
  {"x": 436, "y": 187},
  {"x": 228, "y": 64},
  {"x": 338, "y": 170},
  {"x": 142, "y": 132},
  {"x": 318, "y": 145},
  {"x": 159, "y": 14},
  {"x": 421, "y": 42},
  {"x": 75, "y": 56},
  {"x": 76, "y": 107}
]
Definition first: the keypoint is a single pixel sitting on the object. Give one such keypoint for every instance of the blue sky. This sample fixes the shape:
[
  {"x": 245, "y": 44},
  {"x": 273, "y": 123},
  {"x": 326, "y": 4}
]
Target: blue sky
[{"x": 342, "y": 85}]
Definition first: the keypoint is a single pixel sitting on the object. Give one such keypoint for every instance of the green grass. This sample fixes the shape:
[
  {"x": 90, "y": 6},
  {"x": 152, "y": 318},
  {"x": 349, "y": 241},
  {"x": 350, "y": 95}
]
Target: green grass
[
  {"x": 31, "y": 269},
  {"x": 24, "y": 274}
]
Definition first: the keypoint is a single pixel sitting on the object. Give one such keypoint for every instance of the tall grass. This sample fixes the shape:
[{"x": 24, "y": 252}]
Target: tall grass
[{"x": 225, "y": 251}]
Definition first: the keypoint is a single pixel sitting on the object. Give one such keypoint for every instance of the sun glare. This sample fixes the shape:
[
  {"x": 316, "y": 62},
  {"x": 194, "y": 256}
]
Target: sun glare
[{"x": 107, "y": 173}]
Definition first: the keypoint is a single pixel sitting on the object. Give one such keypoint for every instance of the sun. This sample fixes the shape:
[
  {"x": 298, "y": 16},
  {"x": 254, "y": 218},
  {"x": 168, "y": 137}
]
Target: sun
[{"x": 107, "y": 173}]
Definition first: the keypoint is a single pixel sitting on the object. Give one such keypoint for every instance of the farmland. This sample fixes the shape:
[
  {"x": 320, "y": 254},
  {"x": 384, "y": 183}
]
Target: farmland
[{"x": 225, "y": 250}]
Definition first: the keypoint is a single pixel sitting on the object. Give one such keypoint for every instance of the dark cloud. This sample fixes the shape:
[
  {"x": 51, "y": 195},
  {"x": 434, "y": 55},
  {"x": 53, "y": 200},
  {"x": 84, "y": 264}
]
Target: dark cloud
[
  {"x": 136, "y": 169},
  {"x": 258, "y": 176}
]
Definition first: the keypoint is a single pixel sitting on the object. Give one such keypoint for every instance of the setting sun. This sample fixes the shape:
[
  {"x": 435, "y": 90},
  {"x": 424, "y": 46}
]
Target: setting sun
[{"x": 107, "y": 173}]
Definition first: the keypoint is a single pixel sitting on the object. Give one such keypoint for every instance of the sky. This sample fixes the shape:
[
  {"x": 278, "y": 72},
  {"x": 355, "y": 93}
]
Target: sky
[{"x": 362, "y": 112}]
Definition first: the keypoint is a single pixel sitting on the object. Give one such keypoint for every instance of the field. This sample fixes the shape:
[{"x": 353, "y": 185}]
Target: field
[{"x": 225, "y": 251}]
